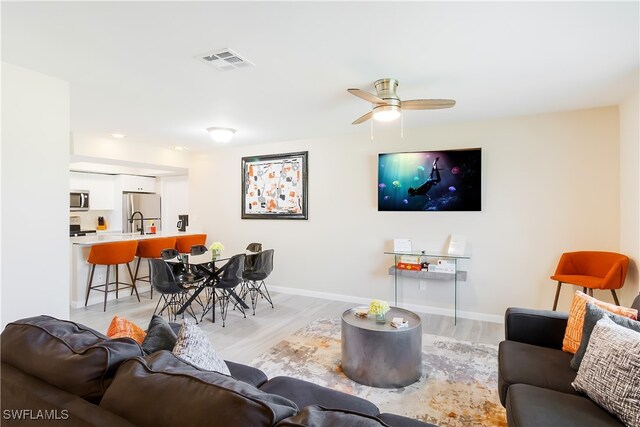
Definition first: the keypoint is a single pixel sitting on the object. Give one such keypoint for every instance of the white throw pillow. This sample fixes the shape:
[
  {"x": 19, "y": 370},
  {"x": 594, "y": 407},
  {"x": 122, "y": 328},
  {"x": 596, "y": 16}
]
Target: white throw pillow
[
  {"x": 610, "y": 370},
  {"x": 194, "y": 347}
]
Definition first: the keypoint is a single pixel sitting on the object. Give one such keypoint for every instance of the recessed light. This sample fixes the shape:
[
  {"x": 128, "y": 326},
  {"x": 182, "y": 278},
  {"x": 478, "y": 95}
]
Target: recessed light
[
  {"x": 118, "y": 135},
  {"x": 180, "y": 148}
]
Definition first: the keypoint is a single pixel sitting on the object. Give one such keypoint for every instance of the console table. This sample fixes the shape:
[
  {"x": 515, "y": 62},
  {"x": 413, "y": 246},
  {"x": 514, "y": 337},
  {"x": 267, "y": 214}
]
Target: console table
[{"x": 430, "y": 275}]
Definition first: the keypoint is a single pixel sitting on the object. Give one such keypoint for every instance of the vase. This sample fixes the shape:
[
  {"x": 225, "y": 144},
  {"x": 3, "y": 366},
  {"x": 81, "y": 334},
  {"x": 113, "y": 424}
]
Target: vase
[
  {"x": 215, "y": 254},
  {"x": 381, "y": 318}
]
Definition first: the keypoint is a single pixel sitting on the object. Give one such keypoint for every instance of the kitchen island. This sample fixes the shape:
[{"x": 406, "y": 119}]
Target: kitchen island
[{"x": 80, "y": 268}]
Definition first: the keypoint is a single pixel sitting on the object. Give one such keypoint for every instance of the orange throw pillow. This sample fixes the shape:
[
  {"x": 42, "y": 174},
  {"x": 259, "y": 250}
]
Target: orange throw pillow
[
  {"x": 123, "y": 328},
  {"x": 573, "y": 333}
]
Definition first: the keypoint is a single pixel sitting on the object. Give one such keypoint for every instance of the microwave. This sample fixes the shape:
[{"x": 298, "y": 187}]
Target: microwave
[{"x": 79, "y": 200}]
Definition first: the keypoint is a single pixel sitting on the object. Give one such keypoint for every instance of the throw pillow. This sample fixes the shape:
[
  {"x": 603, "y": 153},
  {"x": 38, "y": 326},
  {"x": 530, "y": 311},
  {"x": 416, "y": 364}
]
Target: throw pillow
[
  {"x": 160, "y": 336},
  {"x": 123, "y": 328},
  {"x": 592, "y": 315},
  {"x": 573, "y": 333},
  {"x": 610, "y": 370},
  {"x": 194, "y": 347}
]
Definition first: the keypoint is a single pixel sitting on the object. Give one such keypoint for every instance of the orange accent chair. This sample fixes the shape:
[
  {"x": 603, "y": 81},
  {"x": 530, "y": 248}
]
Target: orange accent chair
[
  {"x": 151, "y": 248},
  {"x": 109, "y": 254},
  {"x": 591, "y": 270},
  {"x": 184, "y": 243}
]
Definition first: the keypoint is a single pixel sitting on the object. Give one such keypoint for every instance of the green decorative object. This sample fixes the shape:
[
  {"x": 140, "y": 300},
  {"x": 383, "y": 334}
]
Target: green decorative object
[
  {"x": 216, "y": 249},
  {"x": 378, "y": 309}
]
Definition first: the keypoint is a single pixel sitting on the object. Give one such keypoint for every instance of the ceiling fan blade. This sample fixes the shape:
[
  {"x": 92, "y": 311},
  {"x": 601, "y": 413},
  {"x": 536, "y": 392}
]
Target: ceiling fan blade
[
  {"x": 363, "y": 118},
  {"x": 366, "y": 96},
  {"x": 427, "y": 104}
]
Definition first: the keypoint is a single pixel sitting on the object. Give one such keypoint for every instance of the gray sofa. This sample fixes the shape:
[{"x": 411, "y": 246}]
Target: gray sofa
[
  {"x": 66, "y": 373},
  {"x": 535, "y": 377}
]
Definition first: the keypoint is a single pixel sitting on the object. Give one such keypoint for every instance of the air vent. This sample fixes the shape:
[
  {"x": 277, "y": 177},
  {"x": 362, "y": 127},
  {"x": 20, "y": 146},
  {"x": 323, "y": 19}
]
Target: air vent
[{"x": 224, "y": 60}]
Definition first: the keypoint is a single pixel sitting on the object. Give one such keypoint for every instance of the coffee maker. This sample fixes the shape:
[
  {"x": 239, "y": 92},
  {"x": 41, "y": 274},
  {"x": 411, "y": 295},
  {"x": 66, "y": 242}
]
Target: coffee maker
[{"x": 183, "y": 221}]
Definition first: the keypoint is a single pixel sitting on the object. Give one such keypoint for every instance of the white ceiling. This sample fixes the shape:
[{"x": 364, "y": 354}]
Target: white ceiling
[{"x": 132, "y": 70}]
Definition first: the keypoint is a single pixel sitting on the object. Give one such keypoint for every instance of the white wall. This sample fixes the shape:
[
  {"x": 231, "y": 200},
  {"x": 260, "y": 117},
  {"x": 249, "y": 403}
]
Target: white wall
[
  {"x": 550, "y": 185},
  {"x": 175, "y": 197},
  {"x": 630, "y": 190},
  {"x": 35, "y": 184}
]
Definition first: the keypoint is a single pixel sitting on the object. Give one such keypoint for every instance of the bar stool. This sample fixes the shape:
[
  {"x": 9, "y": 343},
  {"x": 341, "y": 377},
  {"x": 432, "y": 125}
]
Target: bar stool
[
  {"x": 184, "y": 243},
  {"x": 150, "y": 249},
  {"x": 109, "y": 254}
]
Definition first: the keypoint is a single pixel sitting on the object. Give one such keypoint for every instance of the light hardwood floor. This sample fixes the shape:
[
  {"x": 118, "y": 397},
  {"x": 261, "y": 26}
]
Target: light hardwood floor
[{"x": 242, "y": 340}]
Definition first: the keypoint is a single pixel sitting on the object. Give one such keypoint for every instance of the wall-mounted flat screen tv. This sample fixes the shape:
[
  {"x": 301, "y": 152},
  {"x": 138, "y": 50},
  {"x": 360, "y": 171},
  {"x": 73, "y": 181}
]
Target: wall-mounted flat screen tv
[{"x": 447, "y": 180}]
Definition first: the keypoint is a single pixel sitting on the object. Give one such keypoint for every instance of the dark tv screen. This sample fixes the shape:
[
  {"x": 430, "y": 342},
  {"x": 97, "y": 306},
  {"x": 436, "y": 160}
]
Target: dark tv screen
[{"x": 447, "y": 180}]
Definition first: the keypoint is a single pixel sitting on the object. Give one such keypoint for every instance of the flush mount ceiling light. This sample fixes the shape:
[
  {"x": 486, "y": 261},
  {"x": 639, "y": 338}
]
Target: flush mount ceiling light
[
  {"x": 180, "y": 148},
  {"x": 119, "y": 135},
  {"x": 221, "y": 134}
]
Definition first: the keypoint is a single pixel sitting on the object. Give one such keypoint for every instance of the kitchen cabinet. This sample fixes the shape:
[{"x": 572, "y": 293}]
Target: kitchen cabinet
[
  {"x": 78, "y": 181},
  {"x": 101, "y": 189},
  {"x": 138, "y": 184},
  {"x": 101, "y": 194}
]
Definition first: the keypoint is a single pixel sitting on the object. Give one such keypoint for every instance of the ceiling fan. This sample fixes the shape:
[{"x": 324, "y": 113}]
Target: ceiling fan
[{"x": 386, "y": 105}]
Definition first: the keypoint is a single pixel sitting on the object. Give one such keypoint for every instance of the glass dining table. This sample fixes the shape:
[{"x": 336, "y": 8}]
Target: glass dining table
[{"x": 206, "y": 265}]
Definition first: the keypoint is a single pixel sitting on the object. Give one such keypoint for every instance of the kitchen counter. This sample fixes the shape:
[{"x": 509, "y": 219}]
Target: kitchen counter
[
  {"x": 118, "y": 237},
  {"x": 81, "y": 246}
]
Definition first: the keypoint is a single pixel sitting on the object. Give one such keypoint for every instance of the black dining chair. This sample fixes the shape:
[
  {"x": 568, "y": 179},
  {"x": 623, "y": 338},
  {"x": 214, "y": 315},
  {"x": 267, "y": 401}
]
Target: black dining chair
[
  {"x": 179, "y": 269},
  {"x": 190, "y": 278},
  {"x": 228, "y": 278},
  {"x": 199, "y": 275},
  {"x": 198, "y": 249},
  {"x": 253, "y": 247},
  {"x": 254, "y": 277},
  {"x": 172, "y": 294},
  {"x": 169, "y": 253}
]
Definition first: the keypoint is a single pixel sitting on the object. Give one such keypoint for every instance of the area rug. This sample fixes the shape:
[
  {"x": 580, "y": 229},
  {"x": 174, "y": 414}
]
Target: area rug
[{"x": 458, "y": 386}]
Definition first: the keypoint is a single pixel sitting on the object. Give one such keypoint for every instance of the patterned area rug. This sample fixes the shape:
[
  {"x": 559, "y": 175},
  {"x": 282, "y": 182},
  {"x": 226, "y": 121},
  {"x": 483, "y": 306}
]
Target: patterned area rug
[{"x": 458, "y": 386}]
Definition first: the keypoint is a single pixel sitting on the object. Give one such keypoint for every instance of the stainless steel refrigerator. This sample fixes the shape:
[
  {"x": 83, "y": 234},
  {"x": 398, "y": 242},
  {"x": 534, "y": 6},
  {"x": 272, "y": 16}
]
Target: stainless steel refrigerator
[{"x": 146, "y": 204}]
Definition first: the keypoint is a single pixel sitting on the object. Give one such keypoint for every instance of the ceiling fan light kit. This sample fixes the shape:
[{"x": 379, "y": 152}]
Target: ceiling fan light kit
[
  {"x": 387, "y": 106},
  {"x": 386, "y": 113},
  {"x": 221, "y": 135}
]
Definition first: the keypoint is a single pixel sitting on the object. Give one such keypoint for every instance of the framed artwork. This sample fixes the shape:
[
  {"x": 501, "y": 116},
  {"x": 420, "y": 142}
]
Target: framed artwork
[
  {"x": 274, "y": 186},
  {"x": 447, "y": 180}
]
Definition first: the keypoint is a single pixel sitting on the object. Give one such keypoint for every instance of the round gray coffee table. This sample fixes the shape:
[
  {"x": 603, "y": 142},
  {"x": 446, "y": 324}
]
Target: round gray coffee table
[{"x": 380, "y": 355}]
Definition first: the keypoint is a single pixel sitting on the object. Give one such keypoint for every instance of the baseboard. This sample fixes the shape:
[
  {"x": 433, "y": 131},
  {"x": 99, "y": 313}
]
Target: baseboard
[
  {"x": 413, "y": 307},
  {"x": 98, "y": 297}
]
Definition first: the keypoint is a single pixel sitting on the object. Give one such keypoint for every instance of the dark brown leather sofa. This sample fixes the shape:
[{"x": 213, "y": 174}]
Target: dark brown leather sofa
[
  {"x": 60, "y": 372},
  {"x": 534, "y": 376}
]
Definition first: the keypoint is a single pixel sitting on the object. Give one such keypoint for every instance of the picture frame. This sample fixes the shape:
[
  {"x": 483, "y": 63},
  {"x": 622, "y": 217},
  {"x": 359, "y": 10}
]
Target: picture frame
[{"x": 275, "y": 186}]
